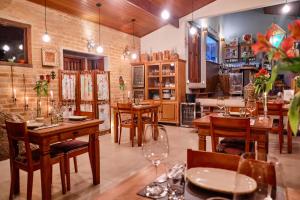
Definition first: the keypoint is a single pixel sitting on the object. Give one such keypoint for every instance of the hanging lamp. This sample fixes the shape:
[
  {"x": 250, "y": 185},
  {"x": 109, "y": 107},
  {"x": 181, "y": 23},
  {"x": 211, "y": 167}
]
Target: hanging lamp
[
  {"x": 46, "y": 38},
  {"x": 133, "y": 54},
  {"x": 286, "y": 8},
  {"x": 193, "y": 29},
  {"x": 99, "y": 48}
]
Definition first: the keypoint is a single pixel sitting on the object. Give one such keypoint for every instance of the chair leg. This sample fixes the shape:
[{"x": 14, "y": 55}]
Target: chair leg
[
  {"x": 62, "y": 175},
  {"x": 12, "y": 179},
  {"x": 29, "y": 185},
  {"x": 67, "y": 172},
  {"x": 120, "y": 135},
  {"x": 280, "y": 141},
  {"x": 51, "y": 175},
  {"x": 75, "y": 164},
  {"x": 132, "y": 136}
]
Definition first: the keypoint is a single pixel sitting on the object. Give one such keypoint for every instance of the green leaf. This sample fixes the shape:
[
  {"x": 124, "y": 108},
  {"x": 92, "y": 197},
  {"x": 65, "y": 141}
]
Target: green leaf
[{"x": 294, "y": 114}]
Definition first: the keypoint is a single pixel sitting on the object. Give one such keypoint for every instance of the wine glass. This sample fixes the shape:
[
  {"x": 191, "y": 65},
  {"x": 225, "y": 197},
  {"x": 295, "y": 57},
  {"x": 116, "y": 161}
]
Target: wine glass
[
  {"x": 251, "y": 106},
  {"x": 155, "y": 148},
  {"x": 263, "y": 178},
  {"x": 220, "y": 103}
]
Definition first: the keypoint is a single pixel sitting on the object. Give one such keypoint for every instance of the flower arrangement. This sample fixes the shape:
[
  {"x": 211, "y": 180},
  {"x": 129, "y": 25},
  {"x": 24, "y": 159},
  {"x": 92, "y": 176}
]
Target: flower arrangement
[
  {"x": 286, "y": 60},
  {"x": 260, "y": 81}
]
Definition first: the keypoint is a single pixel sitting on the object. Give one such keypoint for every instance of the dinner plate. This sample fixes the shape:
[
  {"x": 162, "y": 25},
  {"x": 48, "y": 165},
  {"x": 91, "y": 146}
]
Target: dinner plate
[
  {"x": 77, "y": 118},
  {"x": 221, "y": 180},
  {"x": 234, "y": 113},
  {"x": 32, "y": 125}
]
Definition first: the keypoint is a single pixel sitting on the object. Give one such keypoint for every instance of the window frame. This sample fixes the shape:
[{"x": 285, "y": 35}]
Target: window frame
[
  {"x": 218, "y": 47},
  {"x": 27, "y": 42}
]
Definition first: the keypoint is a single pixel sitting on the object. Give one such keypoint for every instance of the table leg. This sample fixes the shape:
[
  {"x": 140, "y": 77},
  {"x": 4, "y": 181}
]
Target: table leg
[
  {"x": 202, "y": 142},
  {"x": 45, "y": 171},
  {"x": 95, "y": 157},
  {"x": 140, "y": 129},
  {"x": 289, "y": 139},
  {"x": 116, "y": 126}
]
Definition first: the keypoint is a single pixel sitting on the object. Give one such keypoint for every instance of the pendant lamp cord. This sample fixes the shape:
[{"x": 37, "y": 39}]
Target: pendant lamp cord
[
  {"x": 99, "y": 5},
  {"x": 133, "y": 20},
  {"x": 192, "y": 10},
  {"x": 45, "y": 16}
]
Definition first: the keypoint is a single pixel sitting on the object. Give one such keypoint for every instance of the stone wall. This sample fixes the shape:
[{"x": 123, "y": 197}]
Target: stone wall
[{"x": 67, "y": 32}]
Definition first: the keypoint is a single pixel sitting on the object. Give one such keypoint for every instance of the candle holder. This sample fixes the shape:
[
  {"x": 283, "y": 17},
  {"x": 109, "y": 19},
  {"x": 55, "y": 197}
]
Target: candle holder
[
  {"x": 26, "y": 107},
  {"x": 265, "y": 106}
]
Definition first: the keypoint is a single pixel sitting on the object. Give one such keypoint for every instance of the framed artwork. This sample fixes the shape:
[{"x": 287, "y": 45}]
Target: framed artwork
[{"x": 49, "y": 57}]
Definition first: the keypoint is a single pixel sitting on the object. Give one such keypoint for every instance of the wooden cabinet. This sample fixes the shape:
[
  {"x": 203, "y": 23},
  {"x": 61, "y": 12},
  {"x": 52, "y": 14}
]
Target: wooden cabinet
[{"x": 165, "y": 83}]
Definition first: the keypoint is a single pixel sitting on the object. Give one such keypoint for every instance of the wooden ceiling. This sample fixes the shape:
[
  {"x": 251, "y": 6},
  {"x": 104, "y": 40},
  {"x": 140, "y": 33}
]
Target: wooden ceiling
[{"x": 118, "y": 14}]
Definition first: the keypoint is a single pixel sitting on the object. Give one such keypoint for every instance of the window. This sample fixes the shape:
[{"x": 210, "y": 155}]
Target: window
[
  {"x": 212, "y": 49},
  {"x": 14, "y": 43}
]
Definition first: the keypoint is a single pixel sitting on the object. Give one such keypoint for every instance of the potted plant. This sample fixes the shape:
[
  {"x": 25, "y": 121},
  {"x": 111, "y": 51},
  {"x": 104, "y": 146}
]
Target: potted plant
[{"x": 286, "y": 59}]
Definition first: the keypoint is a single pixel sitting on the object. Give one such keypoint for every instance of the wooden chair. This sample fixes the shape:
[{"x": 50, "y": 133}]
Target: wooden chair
[
  {"x": 236, "y": 132},
  {"x": 72, "y": 149},
  {"x": 229, "y": 162},
  {"x": 274, "y": 109},
  {"x": 28, "y": 161},
  {"x": 126, "y": 120}
]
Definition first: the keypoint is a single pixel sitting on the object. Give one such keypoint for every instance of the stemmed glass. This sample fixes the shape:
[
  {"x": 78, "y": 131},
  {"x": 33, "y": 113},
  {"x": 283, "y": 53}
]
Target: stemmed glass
[
  {"x": 251, "y": 106},
  {"x": 155, "y": 148},
  {"x": 220, "y": 103},
  {"x": 267, "y": 174}
]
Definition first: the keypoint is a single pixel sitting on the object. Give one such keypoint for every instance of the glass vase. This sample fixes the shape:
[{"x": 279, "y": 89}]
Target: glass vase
[{"x": 38, "y": 107}]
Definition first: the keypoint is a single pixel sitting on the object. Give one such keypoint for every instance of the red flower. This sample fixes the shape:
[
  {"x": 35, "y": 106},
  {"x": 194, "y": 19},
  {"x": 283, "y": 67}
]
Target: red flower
[
  {"x": 294, "y": 28},
  {"x": 257, "y": 75},
  {"x": 48, "y": 78},
  {"x": 262, "y": 44},
  {"x": 277, "y": 55},
  {"x": 287, "y": 46},
  {"x": 263, "y": 71},
  {"x": 42, "y": 77}
]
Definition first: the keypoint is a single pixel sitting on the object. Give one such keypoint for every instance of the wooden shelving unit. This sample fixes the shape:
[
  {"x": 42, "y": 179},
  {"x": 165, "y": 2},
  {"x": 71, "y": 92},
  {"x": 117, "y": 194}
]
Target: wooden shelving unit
[{"x": 165, "y": 84}]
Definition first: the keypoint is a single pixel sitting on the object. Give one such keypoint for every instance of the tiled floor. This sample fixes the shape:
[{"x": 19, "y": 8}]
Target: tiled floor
[{"x": 119, "y": 162}]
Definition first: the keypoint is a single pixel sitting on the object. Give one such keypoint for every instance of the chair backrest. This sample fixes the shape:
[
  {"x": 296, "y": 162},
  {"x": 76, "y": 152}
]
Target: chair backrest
[
  {"x": 230, "y": 162},
  {"x": 16, "y": 133},
  {"x": 229, "y": 128},
  {"x": 125, "y": 110},
  {"x": 274, "y": 109}
]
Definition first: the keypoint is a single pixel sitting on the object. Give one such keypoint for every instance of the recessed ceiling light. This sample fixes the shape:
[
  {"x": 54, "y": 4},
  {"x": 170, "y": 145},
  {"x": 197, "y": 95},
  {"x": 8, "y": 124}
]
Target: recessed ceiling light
[
  {"x": 286, "y": 8},
  {"x": 165, "y": 14}
]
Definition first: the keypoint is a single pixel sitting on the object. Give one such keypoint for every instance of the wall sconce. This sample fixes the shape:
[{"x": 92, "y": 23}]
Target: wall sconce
[
  {"x": 25, "y": 94},
  {"x": 90, "y": 45}
]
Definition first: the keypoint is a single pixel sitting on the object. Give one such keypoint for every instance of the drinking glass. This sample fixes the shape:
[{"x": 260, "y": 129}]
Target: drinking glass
[
  {"x": 267, "y": 174},
  {"x": 251, "y": 106},
  {"x": 176, "y": 180},
  {"x": 220, "y": 103},
  {"x": 155, "y": 148}
]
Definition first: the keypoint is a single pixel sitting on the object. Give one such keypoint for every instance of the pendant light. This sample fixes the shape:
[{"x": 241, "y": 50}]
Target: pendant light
[
  {"x": 193, "y": 29},
  {"x": 46, "y": 38},
  {"x": 133, "y": 54},
  {"x": 99, "y": 48},
  {"x": 286, "y": 8}
]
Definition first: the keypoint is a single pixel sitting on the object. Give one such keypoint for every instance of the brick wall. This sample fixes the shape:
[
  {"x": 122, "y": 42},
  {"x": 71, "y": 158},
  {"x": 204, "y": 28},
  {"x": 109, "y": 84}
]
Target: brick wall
[{"x": 67, "y": 32}]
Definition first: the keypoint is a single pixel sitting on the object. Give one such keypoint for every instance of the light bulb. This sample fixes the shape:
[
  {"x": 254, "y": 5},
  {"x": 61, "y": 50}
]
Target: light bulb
[
  {"x": 133, "y": 56},
  {"x": 285, "y": 9},
  {"x": 21, "y": 46},
  {"x": 6, "y": 47},
  {"x": 165, "y": 14},
  {"x": 46, "y": 38},
  {"x": 193, "y": 30},
  {"x": 99, "y": 49}
]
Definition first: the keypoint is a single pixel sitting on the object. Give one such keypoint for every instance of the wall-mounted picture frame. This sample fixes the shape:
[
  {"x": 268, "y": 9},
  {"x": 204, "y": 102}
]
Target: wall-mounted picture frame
[{"x": 49, "y": 57}]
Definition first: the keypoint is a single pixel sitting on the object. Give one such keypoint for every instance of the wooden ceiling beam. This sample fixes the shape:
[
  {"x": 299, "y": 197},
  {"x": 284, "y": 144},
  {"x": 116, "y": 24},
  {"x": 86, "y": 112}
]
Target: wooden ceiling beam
[{"x": 153, "y": 9}]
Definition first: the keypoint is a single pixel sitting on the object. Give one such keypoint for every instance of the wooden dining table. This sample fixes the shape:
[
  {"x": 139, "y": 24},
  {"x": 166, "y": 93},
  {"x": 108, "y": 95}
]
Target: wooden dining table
[
  {"x": 64, "y": 131},
  {"x": 259, "y": 133},
  {"x": 129, "y": 188},
  {"x": 138, "y": 110}
]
